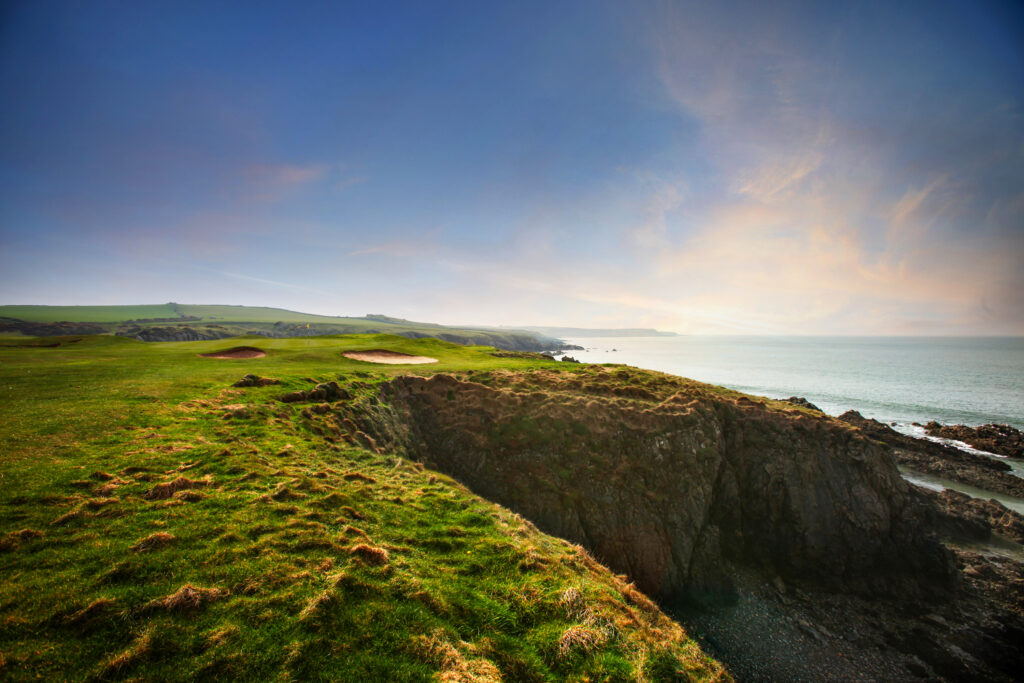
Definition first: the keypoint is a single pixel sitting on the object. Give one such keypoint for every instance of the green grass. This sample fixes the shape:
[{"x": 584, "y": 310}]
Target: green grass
[
  {"x": 291, "y": 551},
  {"x": 88, "y": 314},
  {"x": 262, "y": 320}
]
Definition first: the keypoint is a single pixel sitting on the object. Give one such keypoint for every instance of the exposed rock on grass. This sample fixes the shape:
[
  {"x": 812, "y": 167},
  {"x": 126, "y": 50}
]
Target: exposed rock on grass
[
  {"x": 326, "y": 391},
  {"x": 255, "y": 381},
  {"x": 802, "y": 402}
]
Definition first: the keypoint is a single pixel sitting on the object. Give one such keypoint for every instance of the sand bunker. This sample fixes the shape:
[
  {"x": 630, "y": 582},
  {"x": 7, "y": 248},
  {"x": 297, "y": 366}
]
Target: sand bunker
[
  {"x": 237, "y": 352},
  {"x": 389, "y": 357}
]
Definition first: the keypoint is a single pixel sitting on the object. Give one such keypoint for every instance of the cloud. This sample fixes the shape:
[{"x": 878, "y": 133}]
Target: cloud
[{"x": 273, "y": 182}]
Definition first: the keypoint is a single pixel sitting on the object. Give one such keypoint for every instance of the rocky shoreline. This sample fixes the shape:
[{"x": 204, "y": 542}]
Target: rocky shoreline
[
  {"x": 938, "y": 459},
  {"x": 992, "y": 438}
]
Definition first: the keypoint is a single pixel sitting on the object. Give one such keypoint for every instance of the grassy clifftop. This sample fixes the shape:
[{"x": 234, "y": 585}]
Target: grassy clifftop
[
  {"x": 158, "y": 522},
  {"x": 187, "y": 322}
]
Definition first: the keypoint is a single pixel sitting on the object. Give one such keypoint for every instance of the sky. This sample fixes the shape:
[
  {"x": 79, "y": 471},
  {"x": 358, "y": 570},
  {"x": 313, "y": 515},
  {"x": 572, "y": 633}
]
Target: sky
[{"x": 849, "y": 168}]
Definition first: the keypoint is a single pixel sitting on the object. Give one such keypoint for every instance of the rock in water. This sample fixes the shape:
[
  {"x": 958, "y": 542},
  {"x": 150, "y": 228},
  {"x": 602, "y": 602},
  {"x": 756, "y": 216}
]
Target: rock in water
[{"x": 992, "y": 438}]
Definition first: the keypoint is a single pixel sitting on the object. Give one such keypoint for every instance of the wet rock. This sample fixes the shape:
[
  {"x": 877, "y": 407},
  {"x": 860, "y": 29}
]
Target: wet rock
[
  {"x": 976, "y": 518},
  {"x": 941, "y": 460},
  {"x": 992, "y": 438},
  {"x": 326, "y": 391}
]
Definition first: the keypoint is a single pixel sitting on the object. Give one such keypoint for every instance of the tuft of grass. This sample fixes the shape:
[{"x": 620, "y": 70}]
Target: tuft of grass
[
  {"x": 155, "y": 540},
  {"x": 168, "y": 489},
  {"x": 187, "y": 598}
]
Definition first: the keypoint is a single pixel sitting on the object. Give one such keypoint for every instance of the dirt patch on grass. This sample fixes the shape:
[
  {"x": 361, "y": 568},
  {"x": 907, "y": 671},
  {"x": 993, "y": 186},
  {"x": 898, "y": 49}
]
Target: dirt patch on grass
[
  {"x": 388, "y": 357},
  {"x": 237, "y": 352}
]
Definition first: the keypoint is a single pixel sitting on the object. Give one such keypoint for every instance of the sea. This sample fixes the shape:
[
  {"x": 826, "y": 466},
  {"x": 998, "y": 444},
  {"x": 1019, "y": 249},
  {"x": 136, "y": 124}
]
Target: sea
[{"x": 901, "y": 380}]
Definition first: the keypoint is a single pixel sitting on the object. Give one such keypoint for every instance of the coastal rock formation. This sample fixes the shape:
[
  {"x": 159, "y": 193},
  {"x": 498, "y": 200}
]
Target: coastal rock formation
[
  {"x": 993, "y": 438},
  {"x": 940, "y": 460},
  {"x": 49, "y": 329},
  {"x": 801, "y": 401},
  {"x": 178, "y": 333},
  {"x": 976, "y": 519},
  {"x": 672, "y": 484}
]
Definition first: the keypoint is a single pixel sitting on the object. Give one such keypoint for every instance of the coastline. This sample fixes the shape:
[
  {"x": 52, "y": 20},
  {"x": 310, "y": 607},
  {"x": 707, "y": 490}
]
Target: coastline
[{"x": 968, "y": 381}]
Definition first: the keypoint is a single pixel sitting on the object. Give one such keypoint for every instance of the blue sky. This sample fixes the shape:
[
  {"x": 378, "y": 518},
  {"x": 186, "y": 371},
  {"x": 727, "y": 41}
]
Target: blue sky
[{"x": 781, "y": 168}]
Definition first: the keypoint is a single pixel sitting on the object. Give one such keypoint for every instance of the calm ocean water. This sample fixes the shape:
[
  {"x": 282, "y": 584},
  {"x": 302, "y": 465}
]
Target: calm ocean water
[{"x": 893, "y": 379}]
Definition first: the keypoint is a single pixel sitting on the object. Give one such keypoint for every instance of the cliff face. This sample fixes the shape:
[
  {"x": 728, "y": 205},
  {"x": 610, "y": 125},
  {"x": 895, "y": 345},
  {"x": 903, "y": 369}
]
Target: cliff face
[{"x": 674, "y": 483}]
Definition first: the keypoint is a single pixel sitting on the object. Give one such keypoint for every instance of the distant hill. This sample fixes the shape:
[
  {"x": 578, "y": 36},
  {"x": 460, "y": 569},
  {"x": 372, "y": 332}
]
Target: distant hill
[
  {"x": 190, "y": 322},
  {"x": 570, "y": 332}
]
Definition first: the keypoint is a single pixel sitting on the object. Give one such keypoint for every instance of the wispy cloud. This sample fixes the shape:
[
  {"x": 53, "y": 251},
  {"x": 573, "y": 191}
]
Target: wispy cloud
[{"x": 273, "y": 182}]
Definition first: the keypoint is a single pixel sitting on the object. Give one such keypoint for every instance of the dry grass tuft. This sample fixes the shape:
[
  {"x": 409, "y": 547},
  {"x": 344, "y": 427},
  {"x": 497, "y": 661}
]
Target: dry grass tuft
[
  {"x": 137, "y": 651},
  {"x": 189, "y": 496},
  {"x": 105, "y": 490},
  {"x": 95, "y": 610},
  {"x": 221, "y": 636},
  {"x": 153, "y": 541},
  {"x": 316, "y": 607},
  {"x": 67, "y": 518},
  {"x": 188, "y": 598},
  {"x": 350, "y": 530},
  {"x": 370, "y": 554},
  {"x": 580, "y": 639},
  {"x": 351, "y": 512},
  {"x": 531, "y": 560},
  {"x": 358, "y": 476},
  {"x": 282, "y": 492},
  {"x": 102, "y": 476},
  {"x": 455, "y": 666},
  {"x": 14, "y": 539},
  {"x": 97, "y": 503},
  {"x": 635, "y": 597},
  {"x": 169, "y": 488}
]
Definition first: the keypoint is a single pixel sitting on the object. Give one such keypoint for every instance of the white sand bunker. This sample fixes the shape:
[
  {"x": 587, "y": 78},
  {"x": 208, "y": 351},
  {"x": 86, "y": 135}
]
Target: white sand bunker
[{"x": 389, "y": 357}]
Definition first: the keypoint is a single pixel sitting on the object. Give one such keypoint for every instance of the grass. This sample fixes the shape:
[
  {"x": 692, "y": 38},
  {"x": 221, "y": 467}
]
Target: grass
[
  {"x": 87, "y": 314},
  {"x": 157, "y": 522},
  {"x": 241, "y": 320}
]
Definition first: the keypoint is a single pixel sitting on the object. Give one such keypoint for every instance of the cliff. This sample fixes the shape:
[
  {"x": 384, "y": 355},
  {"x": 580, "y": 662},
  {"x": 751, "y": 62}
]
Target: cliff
[{"x": 671, "y": 483}]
